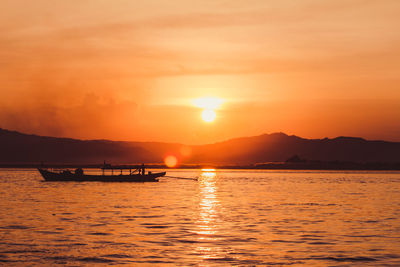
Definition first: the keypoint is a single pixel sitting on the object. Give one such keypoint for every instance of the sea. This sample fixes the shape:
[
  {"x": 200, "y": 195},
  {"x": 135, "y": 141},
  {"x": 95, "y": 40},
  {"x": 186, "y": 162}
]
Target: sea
[{"x": 222, "y": 218}]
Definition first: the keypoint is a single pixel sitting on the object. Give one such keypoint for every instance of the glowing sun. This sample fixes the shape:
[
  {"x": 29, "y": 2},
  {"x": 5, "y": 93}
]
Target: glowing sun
[
  {"x": 208, "y": 115},
  {"x": 209, "y": 105}
]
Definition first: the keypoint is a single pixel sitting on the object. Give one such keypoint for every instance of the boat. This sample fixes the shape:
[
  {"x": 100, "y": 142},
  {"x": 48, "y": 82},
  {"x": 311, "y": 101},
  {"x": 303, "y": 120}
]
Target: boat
[{"x": 136, "y": 174}]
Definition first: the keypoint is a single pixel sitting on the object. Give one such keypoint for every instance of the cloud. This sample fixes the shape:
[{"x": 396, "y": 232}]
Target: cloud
[
  {"x": 93, "y": 117},
  {"x": 274, "y": 37}
]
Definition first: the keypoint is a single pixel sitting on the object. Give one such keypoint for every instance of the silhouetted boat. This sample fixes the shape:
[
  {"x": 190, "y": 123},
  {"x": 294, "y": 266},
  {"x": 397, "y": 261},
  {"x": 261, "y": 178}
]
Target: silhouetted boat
[{"x": 79, "y": 176}]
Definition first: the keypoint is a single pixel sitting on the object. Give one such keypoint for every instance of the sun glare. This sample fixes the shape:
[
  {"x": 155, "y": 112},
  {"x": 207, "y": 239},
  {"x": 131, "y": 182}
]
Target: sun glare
[
  {"x": 208, "y": 102},
  {"x": 208, "y": 115},
  {"x": 209, "y": 105},
  {"x": 170, "y": 161}
]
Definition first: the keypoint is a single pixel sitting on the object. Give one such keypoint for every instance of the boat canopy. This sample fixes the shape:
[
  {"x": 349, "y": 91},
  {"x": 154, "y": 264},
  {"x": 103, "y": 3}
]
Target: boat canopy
[{"x": 121, "y": 167}]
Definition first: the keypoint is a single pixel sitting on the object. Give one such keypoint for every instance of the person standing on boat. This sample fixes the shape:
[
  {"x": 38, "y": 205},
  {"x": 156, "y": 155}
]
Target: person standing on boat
[
  {"x": 79, "y": 171},
  {"x": 143, "y": 169}
]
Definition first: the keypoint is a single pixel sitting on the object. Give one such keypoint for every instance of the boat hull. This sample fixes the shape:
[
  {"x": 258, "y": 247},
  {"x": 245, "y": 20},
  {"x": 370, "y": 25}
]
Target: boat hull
[{"x": 69, "y": 176}]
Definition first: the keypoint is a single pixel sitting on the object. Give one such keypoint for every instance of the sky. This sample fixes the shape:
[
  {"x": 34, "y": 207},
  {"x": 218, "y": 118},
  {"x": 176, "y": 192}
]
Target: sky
[{"x": 132, "y": 70}]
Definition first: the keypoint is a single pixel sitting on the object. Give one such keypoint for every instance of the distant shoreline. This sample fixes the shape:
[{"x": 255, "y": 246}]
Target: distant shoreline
[
  {"x": 267, "y": 151},
  {"x": 371, "y": 166}
]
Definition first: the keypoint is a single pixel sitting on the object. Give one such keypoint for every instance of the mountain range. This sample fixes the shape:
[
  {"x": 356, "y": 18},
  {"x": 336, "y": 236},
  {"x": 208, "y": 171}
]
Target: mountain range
[{"x": 19, "y": 148}]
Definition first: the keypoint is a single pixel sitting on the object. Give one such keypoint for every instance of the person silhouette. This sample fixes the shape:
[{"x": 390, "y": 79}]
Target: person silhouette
[{"x": 143, "y": 169}]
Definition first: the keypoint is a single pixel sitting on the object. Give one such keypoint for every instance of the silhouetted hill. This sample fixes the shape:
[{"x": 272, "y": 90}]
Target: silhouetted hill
[
  {"x": 280, "y": 147},
  {"x": 277, "y": 147},
  {"x": 22, "y": 148}
]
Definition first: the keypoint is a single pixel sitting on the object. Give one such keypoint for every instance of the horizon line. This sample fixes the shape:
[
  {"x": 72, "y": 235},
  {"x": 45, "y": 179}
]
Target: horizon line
[{"x": 203, "y": 144}]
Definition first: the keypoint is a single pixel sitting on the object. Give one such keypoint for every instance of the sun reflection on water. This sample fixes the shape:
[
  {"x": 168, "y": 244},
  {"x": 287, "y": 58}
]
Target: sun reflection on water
[
  {"x": 208, "y": 220},
  {"x": 208, "y": 202}
]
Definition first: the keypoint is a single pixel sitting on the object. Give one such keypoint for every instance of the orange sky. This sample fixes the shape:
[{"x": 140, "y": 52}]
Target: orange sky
[{"x": 129, "y": 70}]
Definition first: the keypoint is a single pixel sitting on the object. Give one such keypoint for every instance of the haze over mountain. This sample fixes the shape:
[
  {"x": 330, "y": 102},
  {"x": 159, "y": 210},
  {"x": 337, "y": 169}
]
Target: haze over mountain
[{"x": 23, "y": 148}]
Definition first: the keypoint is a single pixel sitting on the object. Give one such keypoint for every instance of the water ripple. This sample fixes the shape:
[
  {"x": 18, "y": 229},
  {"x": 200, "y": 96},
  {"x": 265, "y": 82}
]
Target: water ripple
[{"x": 226, "y": 218}]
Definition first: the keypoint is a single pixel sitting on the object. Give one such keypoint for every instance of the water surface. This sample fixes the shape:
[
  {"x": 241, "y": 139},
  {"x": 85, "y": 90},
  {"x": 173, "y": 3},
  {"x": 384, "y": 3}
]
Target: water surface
[{"x": 240, "y": 217}]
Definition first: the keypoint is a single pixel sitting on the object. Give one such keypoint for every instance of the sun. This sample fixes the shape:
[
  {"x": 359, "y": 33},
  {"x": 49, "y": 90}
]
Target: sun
[
  {"x": 208, "y": 115},
  {"x": 209, "y": 106}
]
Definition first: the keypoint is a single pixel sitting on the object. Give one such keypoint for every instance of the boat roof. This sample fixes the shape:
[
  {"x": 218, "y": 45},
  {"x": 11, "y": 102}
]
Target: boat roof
[{"x": 121, "y": 167}]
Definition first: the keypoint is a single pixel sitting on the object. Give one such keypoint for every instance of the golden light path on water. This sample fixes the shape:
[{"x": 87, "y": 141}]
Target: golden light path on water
[
  {"x": 208, "y": 203},
  {"x": 208, "y": 219}
]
